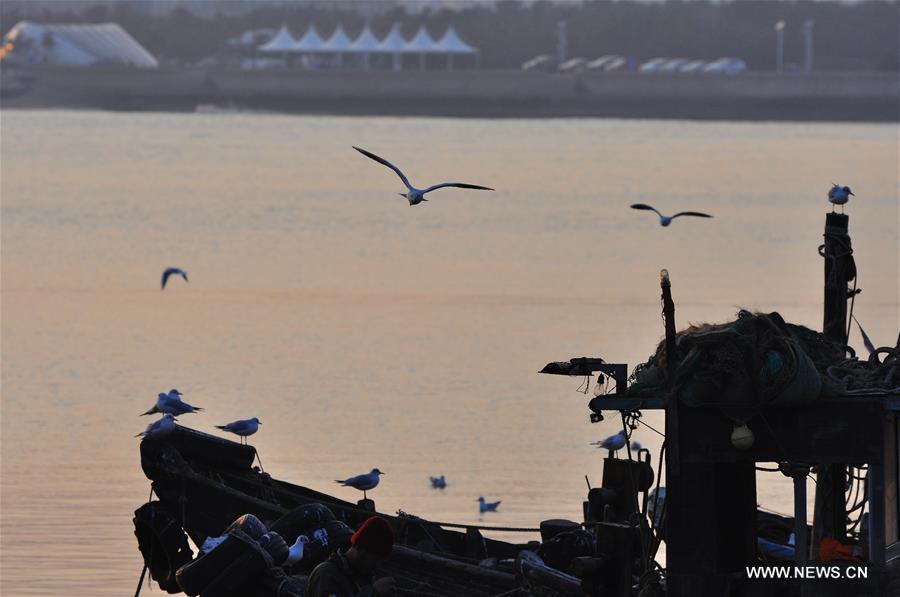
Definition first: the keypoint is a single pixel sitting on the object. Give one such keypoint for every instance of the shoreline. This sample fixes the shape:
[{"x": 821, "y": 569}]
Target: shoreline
[{"x": 818, "y": 97}]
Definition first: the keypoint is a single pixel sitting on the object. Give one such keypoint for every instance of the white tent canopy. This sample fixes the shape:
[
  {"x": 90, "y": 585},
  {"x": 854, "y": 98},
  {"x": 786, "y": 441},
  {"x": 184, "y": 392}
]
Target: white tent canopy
[
  {"x": 421, "y": 43},
  {"x": 310, "y": 42},
  {"x": 366, "y": 42},
  {"x": 77, "y": 45},
  {"x": 393, "y": 42},
  {"x": 338, "y": 42},
  {"x": 282, "y": 42},
  {"x": 450, "y": 43}
]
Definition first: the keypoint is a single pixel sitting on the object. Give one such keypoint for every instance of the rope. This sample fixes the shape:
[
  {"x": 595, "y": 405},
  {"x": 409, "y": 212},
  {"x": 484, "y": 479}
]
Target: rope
[{"x": 140, "y": 581}]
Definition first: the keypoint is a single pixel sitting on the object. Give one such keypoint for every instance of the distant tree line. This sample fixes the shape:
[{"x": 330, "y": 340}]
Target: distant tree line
[{"x": 860, "y": 36}]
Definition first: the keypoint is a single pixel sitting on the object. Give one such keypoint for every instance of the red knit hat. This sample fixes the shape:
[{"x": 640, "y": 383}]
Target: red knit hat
[{"x": 375, "y": 535}]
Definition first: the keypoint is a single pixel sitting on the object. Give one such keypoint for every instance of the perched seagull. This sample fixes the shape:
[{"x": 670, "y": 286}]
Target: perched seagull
[
  {"x": 172, "y": 404},
  {"x": 364, "y": 483},
  {"x": 172, "y": 271},
  {"x": 242, "y": 428},
  {"x": 666, "y": 220},
  {"x": 613, "y": 443},
  {"x": 295, "y": 553},
  {"x": 438, "y": 482},
  {"x": 839, "y": 196},
  {"x": 159, "y": 427},
  {"x": 484, "y": 506},
  {"x": 416, "y": 196}
]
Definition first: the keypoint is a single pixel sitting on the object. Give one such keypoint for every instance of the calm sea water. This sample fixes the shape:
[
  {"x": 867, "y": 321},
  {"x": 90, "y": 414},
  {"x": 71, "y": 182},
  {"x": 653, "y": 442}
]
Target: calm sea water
[{"x": 363, "y": 332}]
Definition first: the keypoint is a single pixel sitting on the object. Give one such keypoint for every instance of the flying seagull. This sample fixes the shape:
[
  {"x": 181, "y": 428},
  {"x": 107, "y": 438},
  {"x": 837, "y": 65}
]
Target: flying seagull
[
  {"x": 839, "y": 196},
  {"x": 438, "y": 482},
  {"x": 666, "y": 220},
  {"x": 159, "y": 427},
  {"x": 170, "y": 271},
  {"x": 172, "y": 404},
  {"x": 416, "y": 196},
  {"x": 363, "y": 483},
  {"x": 484, "y": 506},
  {"x": 243, "y": 428}
]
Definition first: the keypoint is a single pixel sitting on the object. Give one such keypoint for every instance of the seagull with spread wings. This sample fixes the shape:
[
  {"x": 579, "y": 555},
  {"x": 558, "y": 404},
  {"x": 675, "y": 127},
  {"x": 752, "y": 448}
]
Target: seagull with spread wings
[
  {"x": 170, "y": 271},
  {"x": 414, "y": 195},
  {"x": 666, "y": 220}
]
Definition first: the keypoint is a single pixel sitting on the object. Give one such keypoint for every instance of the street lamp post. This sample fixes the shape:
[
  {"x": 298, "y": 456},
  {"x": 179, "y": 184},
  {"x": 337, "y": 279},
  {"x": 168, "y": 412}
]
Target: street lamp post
[{"x": 779, "y": 46}]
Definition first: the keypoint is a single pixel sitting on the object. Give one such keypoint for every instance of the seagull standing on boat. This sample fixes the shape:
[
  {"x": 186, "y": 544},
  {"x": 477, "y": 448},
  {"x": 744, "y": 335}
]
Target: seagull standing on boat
[
  {"x": 613, "y": 443},
  {"x": 416, "y": 196},
  {"x": 666, "y": 220},
  {"x": 364, "y": 483},
  {"x": 172, "y": 404},
  {"x": 438, "y": 482},
  {"x": 839, "y": 196},
  {"x": 484, "y": 506},
  {"x": 177, "y": 271},
  {"x": 243, "y": 428},
  {"x": 159, "y": 427},
  {"x": 295, "y": 552}
]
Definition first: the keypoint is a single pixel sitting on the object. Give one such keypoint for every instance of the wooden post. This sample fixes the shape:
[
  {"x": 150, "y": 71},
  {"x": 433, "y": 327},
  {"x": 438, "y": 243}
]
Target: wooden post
[
  {"x": 668, "y": 306},
  {"x": 829, "y": 515}
]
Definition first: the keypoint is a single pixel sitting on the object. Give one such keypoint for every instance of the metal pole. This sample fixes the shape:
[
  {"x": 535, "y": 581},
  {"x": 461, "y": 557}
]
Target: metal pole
[
  {"x": 779, "y": 46},
  {"x": 808, "y": 49},
  {"x": 800, "y": 547}
]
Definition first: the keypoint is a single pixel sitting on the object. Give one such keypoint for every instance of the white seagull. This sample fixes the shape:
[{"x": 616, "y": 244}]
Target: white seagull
[
  {"x": 172, "y": 404},
  {"x": 839, "y": 196},
  {"x": 159, "y": 427},
  {"x": 172, "y": 271},
  {"x": 242, "y": 428},
  {"x": 295, "y": 553},
  {"x": 484, "y": 506},
  {"x": 666, "y": 220},
  {"x": 438, "y": 482},
  {"x": 416, "y": 196},
  {"x": 613, "y": 443},
  {"x": 363, "y": 483}
]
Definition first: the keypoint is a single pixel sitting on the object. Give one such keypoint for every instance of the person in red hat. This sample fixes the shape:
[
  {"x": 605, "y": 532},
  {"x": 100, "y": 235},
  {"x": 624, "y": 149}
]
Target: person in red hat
[{"x": 350, "y": 573}]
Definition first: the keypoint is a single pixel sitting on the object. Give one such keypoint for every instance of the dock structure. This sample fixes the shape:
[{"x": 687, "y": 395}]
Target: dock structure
[{"x": 711, "y": 508}]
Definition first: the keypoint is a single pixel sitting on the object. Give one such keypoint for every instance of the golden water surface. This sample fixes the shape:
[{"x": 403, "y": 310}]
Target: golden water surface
[{"x": 363, "y": 332}]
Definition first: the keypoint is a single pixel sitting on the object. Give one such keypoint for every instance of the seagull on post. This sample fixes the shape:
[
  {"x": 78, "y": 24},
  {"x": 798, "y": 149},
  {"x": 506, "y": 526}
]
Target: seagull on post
[
  {"x": 416, "y": 196},
  {"x": 242, "y": 428},
  {"x": 363, "y": 483},
  {"x": 613, "y": 443},
  {"x": 839, "y": 196},
  {"x": 161, "y": 426},
  {"x": 170, "y": 271},
  {"x": 666, "y": 220},
  {"x": 172, "y": 404}
]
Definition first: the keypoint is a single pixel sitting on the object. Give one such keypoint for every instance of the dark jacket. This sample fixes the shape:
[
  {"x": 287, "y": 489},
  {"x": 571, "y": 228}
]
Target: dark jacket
[{"x": 335, "y": 578}]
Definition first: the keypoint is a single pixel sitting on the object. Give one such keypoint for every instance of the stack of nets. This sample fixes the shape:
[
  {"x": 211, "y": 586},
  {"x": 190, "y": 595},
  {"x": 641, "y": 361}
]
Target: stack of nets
[{"x": 755, "y": 360}]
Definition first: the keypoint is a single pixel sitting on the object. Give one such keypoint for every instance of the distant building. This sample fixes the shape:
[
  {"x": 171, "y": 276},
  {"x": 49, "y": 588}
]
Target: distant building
[{"x": 74, "y": 45}]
